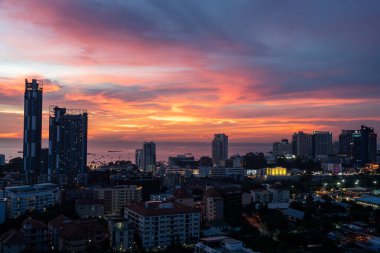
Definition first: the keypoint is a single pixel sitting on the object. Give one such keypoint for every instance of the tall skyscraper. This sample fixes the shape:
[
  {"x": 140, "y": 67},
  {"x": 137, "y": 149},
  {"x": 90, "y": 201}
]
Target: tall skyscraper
[
  {"x": 282, "y": 148},
  {"x": 359, "y": 145},
  {"x": 322, "y": 144},
  {"x": 149, "y": 156},
  {"x": 139, "y": 158},
  {"x": 368, "y": 144},
  {"x": 32, "y": 129},
  {"x": 219, "y": 149},
  {"x": 349, "y": 143},
  {"x": 67, "y": 144},
  {"x": 302, "y": 144}
]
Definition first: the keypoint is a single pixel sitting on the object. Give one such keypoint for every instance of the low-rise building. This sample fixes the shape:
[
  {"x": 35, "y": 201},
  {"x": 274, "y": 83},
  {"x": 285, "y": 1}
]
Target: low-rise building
[
  {"x": 220, "y": 244},
  {"x": 260, "y": 195},
  {"x": 160, "y": 224},
  {"x": 121, "y": 235},
  {"x": 214, "y": 205},
  {"x": 36, "y": 235},
  {"x": 21, "y": 199},
  {"x": 275, "y": 172},
  {"x": 54, "y": 229},
  {"x": 184, "y": 197},
  {"x": 279, "y": 195},
  {"x": 12, "y": 241},
  {"x": 89, "y": 208},
  {"x": 373, "y": 202},
  {"x": 115, "y": 198},
  {"x": 72, "y": 239}
]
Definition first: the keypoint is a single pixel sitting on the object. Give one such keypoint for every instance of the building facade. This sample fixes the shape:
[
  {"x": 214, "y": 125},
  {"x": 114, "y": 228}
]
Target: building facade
[
  {"x": 282, "y": 148},
  {"x": 139, "y": 158},
  {"x": 36, "y": 235},
  {"x": 21, "y": 199},
  {"x": 360, "y": 146},
  {"x": 214, "y": 205},
  {"x": 121, "y": 235},
  {"x": 302, "y": 144},
  {"x": 2, "y": 159},
  {"x": 220, "y": 244},
  {"x": 67, "y": 144},
  {"x": 219, "y": 149},
  {"x": 32, "y": 129},
  {"x": 322, "y": 144},
  {"x": 149, "y": 156},
  {"x": 160, "y": 224},
  {"x": 89, "y": 208},
  {"x": 115, "y": 198}
]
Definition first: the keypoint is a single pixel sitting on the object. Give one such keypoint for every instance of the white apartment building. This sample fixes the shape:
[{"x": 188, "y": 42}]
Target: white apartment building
[
  {"x": 279, "y": 195},
  {"x": 275, "y": 197},
  {"x": 214, "y": 205},
  {"x": 260, "y": 195},
  {"x": 116, "y": 198},
  {"x": 21, "y": 199},
  {"x": 161, "y": 224}
]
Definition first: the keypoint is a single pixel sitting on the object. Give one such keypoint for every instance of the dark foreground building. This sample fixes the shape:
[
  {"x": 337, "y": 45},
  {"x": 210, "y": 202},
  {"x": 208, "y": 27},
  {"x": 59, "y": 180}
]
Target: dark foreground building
[
  {"x": 67, "y": 145},
  {"x": 32, "y": 129}
]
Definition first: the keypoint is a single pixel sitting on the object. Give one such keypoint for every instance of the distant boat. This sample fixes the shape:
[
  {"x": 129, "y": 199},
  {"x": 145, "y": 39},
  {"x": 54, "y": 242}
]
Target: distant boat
[
  {"x": 113, "y": 151},
  {"x": 20, "y": 152}
]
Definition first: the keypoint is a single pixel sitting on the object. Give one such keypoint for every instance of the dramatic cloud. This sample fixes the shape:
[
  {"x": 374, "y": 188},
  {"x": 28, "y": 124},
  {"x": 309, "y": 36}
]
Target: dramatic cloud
[{"x": 183, "y": 70}]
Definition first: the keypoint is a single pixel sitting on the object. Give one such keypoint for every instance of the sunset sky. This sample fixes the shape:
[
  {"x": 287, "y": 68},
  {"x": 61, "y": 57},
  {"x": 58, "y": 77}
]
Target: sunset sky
[{"x": 169, "y": 70}]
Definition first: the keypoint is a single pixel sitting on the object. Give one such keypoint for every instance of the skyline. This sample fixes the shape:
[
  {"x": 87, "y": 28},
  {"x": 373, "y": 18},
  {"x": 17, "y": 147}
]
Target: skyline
[{"x": 157, "y": 71}]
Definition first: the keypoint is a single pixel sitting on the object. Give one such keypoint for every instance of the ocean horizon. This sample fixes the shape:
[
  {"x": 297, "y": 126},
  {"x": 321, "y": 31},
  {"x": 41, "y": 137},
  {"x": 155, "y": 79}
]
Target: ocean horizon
[{"x": 124, "y": 150}]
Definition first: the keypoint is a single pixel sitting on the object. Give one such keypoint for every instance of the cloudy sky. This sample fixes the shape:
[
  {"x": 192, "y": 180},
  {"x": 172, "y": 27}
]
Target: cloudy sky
[{"x": 170, "y": 70}]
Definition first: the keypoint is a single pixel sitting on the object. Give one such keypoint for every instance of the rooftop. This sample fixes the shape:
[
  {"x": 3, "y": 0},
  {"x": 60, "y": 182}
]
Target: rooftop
[
  {"x": 35, "y": 224},
  {"x": 157, "y": 208},
  {"x": 12, "y": 237},
  {"x": 371, "y": 200},
  {"x": 60, "y": 220}
]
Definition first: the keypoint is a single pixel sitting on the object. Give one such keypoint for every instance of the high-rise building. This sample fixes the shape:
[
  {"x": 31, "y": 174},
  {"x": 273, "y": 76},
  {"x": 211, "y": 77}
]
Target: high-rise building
[
  {"x": 322, "y": 144},
  {"x": 282, "y": 148},
  {"x": 44, "y": 166},
  {"x": 139, "y": 158},
  {"x": 67, "y": 144},
  {"x": 359, "y": 145},
  {"x": 302, "y": 144},
  {"x": 149, "y": 156},
  {"x": 2, "y": 159},
  {"x": 349, "y": 143},
  {"x": 32, "y": 129},
  {"x": 368, "y": 144},
  {"x": 220, "y": 149}
]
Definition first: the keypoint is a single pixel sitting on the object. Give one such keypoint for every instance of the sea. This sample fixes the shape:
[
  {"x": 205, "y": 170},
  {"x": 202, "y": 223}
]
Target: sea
[{"x": 113, "y": 151}]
